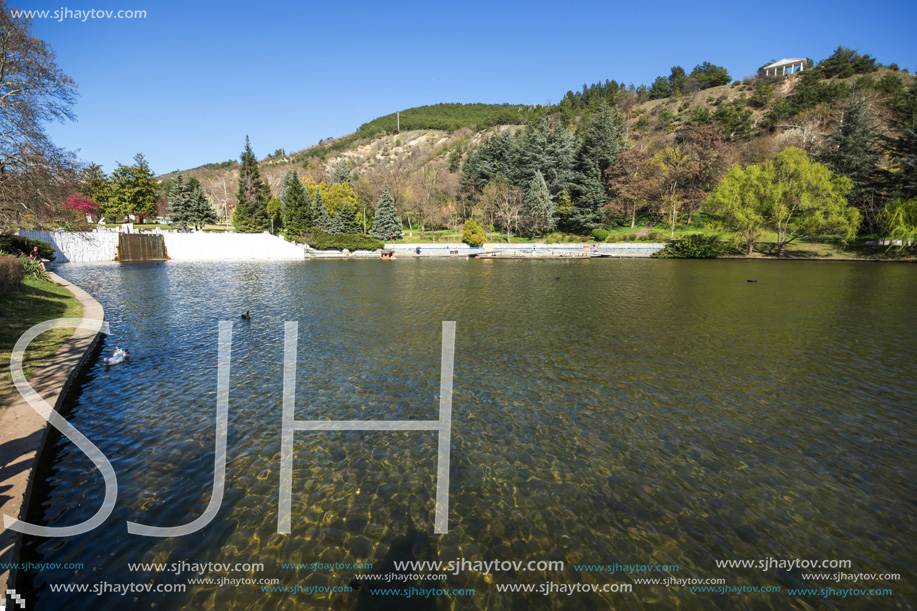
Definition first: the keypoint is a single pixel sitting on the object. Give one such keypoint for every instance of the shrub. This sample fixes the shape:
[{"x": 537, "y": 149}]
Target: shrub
[
  {"x": 325, "y": 241},
  {"x": 11, "y": 274},
  {"x": 654, "y": 236},
  {"x": 600, "y": 235},
  {"x": 11, "y": 243},
  {"x": 32, "y": 269},
  {"x": 694, "y": 246},
  {"x": 473, "y": 234}
]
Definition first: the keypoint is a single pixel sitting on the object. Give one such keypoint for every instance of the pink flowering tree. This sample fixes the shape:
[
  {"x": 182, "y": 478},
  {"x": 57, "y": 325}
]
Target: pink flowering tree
[{"x": 82, "y": 205}]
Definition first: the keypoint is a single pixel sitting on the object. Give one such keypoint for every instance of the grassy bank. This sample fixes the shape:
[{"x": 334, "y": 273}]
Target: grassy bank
[{"x": 35, "y": 302}]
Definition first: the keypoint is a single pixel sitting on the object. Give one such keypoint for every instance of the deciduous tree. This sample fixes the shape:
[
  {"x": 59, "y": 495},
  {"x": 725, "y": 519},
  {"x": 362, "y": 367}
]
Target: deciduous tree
[
  {"x": 631, "y": 179},
  {"x": 35, "y": 175},
  {"x": 790, "y": 195},
  {"x": 134, "y": 189}
]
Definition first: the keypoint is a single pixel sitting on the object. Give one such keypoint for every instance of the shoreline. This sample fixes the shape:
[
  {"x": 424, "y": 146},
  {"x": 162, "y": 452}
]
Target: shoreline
[{"x": 23, "y": 432}]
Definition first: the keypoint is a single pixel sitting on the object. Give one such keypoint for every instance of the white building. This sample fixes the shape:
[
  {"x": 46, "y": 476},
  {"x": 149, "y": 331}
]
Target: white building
[{"x": 785, "y": 66}]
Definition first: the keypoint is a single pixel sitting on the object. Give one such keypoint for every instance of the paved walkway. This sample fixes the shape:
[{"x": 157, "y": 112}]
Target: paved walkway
[{"x": 23, "y": 431}]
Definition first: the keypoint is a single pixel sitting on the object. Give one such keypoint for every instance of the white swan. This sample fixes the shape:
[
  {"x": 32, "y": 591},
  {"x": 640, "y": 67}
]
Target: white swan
[{"x": 118, "y": 357}]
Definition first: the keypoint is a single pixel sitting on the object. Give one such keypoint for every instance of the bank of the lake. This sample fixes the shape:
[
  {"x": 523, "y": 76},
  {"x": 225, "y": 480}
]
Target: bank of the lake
[{"x": 50, "y": 365}]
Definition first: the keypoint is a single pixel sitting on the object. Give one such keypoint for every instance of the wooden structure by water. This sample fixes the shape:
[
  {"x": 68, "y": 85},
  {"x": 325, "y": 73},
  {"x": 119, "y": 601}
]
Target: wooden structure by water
[{"x": 141, "y": 247}]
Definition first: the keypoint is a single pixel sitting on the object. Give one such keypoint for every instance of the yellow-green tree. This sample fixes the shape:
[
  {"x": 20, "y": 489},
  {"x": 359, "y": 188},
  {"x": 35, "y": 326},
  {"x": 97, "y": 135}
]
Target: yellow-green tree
[
  {"x": 899, "y": 220},
  {"x": 789, "y": 195},
  {"x": 671, "y": 170}
]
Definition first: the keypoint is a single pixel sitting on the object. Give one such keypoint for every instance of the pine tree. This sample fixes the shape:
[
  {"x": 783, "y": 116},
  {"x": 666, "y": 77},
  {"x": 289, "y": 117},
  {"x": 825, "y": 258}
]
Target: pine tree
[
  {"x": 179, "y": 203},
  {"x": 297, "y": 212},
  {"x": 852, "y": 150},
  {"x": 335, "y": 226},
  {"x": 902, "y": 146},
  {"x": 386, "y": 225},
  {"x": 349, "y": 223},
  {"x": 320, "y": 218},
  {"x": 538, "y": 208},
  {"x": 202, "y": 212},
  {"x": 342, "y": 173},
  {"x": 599, "y": 150},
  {"x": 251, "y": 210}
]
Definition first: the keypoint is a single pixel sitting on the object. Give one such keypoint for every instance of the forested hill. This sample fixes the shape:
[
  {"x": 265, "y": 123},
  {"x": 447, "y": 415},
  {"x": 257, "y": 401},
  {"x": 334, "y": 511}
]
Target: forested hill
[
  {"x": 439, "y": 163},
  {"x": 452, "y": 117}
]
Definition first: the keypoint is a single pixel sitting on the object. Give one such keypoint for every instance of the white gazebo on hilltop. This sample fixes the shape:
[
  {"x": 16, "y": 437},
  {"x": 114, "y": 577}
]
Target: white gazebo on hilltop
[{"x": 785, "y": 66}]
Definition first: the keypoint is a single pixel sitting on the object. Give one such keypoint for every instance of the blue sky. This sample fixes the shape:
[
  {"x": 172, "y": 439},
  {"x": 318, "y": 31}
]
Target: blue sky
[{"x": 187, "y": 83}]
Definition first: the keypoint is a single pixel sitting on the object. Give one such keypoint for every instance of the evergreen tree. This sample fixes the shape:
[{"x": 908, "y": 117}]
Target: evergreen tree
[
  {"x": 179, "y": 203},
  {"x": 342, "y": 173},
  {"x": 549, "y": 149},
  {"x": 487, "y": 162},
  {"x": 902, "y": 146},
  {"x": 538, "y": 208},
  {"x": 297, "y": 212},
  {"x": 708, "y": 75},
  {"x": 677, "y": 80},
  {"x": 852, "y": 150},
  {"x": 335, "y": 226},
  {"x": 348, "y": 220},
  {"x": 320, "y": 218},
  {"x": 201, "y": 209},
  {"x": 251, "y": 210},
  {"x": 599, "y": 150},
  {"x": 660, "y": 89},
  {"x": 134, "y": 189},
  {"x": 386, "y": 225}
]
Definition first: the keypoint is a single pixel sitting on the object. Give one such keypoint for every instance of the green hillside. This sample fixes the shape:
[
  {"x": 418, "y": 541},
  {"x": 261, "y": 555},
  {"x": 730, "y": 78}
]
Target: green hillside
[{"x": 452, "y": 117}]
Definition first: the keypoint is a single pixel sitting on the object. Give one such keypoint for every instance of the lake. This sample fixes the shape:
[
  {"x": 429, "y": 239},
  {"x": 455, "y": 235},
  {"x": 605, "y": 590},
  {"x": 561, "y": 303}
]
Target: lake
[{"x": 664, "y": 414}]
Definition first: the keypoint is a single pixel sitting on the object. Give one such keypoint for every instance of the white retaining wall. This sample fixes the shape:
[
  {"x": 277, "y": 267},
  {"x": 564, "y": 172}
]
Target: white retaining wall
[
  {"x": 78, "y": 245},
  {"x": 224, "y": 246},
  {"x": 103, "y": 246}
]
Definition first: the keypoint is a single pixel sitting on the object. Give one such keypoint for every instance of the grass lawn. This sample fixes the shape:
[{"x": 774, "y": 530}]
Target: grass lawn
[{"x": 35, "y": 302}]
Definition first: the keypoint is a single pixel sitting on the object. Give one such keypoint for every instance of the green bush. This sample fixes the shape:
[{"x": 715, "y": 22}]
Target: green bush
[
  {"x": 694, "y": 246},
  {"x": 11, "y": 274},
  {"x": 12, "y": 243},
  {"x": 325, "y": 241},
  {"x": 654, "y": 236},
  {"x": 473, "y": 234},
  {"x": 32, "y": 269},
  {"x": 600, "y": 235}
]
